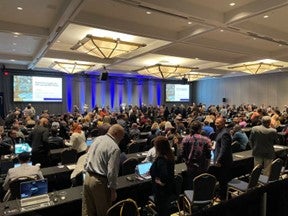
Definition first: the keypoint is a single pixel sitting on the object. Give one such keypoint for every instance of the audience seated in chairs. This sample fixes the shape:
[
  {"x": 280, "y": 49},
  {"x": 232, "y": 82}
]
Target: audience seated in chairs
[{"x": 25, "y": 171}]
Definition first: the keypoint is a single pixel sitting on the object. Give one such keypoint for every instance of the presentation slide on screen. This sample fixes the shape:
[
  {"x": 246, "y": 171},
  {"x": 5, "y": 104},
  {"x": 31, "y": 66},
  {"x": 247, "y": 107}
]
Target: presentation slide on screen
[
  {"x": 37, "y": 89},
  {"x": 177, "y": 93}
]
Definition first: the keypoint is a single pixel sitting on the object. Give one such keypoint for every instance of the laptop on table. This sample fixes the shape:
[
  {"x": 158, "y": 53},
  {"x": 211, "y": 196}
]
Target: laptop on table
[
  {"x": 34, "y": 194},
  {"x": 22, "y": 147},
  {"x": 143, "y": 170}
]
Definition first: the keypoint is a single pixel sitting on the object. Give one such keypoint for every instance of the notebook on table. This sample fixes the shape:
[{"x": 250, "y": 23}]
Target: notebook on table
[
  {"x": 34, "y": 194},
  {"x": 143, "y": 170},
  {"x": 22, "y": 147}
]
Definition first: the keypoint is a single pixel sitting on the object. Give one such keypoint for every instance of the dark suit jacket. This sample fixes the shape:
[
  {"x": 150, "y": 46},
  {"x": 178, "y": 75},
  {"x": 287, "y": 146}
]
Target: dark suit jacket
[
  {"x": 223, "y": 151},
  {"x": 39, "y": 140}
]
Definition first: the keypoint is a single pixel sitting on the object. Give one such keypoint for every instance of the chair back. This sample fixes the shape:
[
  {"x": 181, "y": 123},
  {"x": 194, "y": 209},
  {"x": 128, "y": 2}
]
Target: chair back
[
  {"x": 69, "y": 156},
  {"x": 204, "y": 187},
  {"x": 254, "y": 177},
  {"x": 178, "y": 183},
  {"x": 133, "y": 148},
  {"x": 128, "y": 166},
  {"x": 127, "y": 207},
  {"x": 275, "y": 170}
]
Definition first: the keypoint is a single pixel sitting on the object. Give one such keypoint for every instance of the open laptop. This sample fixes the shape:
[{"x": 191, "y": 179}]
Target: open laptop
[
  {"x": 34, "y": 194},
  {"x": 22, "y": 147},
  {"x": 142, "y": 170}
]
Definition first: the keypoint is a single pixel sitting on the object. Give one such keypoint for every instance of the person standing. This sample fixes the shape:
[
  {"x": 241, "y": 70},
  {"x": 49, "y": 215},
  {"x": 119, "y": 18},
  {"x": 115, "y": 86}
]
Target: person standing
[
  {"x": 38, "y": 138},
  {"x": 262, "y": 139},
  {"x": 222, "y": 156},
  {"x": 196, "y": 153},
  {"x": 102, "y": 167},
  {"x": 162, "y": 173}
]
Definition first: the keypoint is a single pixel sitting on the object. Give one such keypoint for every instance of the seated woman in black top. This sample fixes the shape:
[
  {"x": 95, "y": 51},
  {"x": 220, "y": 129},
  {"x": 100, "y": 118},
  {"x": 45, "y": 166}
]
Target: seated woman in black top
[{"x": 162, "y": 173}]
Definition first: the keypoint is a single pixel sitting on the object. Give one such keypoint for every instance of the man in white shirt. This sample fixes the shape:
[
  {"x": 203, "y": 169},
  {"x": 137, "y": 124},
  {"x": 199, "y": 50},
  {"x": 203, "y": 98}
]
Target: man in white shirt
[{"x": 24, "y": 170}]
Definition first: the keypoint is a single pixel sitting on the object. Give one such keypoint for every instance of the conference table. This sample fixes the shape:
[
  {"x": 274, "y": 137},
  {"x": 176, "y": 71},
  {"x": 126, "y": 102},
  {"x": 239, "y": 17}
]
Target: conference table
[{"x": 127, "y": 186}]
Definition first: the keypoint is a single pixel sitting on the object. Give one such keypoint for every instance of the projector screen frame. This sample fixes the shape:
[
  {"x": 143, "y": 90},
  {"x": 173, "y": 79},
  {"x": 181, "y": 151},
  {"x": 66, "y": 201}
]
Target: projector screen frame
[
  {"x": 55, "y": 80},
  {"x": 184, "y": 100}
]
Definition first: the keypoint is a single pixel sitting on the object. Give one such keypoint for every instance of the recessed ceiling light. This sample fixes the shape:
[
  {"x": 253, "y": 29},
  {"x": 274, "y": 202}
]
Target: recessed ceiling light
[
  {"x": 196, "y": 58},
  {"x": 58, "y": 41},
  {"x": 15, "y": 36},
  {"x": 14, "y": 44},
  {"x": 232, "y": 4},
  {"x": 254, "y": 38},
  {"x": 279, "y": 44},
  {"x": 19, "y": 8},
  {"x": 148, "y": 12},
  {"x": 16, "y": 33},
  {"x": 12, "y": 60},
  {"x": 221, "y": 30},
  {"x": 265, "y": 16},
  {"x": 189, "y": 23}
]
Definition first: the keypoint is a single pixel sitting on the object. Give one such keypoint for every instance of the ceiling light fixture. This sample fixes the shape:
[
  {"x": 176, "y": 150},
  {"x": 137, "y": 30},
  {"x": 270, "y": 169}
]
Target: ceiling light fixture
[
  {"x": 165, "y": 71},
  {"x": 256, "y": 68},
  {"x": 19, "y": 8},
  {"x": 105, "y": 48},
  {"x": 232, "y": 4},
  {"x": 70, "y": 68},
  {"x": 265, "y": 16}
]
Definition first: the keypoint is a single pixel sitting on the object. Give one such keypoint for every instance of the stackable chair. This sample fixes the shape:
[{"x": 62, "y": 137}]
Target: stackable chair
[
  {"x": 274, "y": 174},
  {"x": 237, "y": 186},
  {"x": 127, "y": 207},
  {"x": 202, "y": 194}
]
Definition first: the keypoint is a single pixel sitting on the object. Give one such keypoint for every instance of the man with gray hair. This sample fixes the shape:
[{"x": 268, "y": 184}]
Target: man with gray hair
[
  {"x": 262, "y": 139},
  {"x": 102, "y": 166}
]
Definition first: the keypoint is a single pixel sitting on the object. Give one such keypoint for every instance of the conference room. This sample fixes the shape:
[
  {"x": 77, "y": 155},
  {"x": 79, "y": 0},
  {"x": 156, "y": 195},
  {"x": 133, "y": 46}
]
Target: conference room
[{"x": 114, "y": 54}]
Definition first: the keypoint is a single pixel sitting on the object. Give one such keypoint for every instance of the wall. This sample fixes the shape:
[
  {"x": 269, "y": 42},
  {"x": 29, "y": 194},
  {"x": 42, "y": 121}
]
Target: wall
[
  {"x": 268, "y": 89},
  {"x": 80, "y": 89}
]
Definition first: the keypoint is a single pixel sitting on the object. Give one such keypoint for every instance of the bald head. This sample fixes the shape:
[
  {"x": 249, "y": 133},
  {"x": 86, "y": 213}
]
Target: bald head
[
  {"x": 117, "y": 132},
  {"x": 220, "y": 123}
]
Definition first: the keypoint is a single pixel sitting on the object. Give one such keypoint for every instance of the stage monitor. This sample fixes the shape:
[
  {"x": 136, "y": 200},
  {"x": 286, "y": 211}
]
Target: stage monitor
[
  {"x": 37, "y": 89},
  {"x": 177, "y": 93}
]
